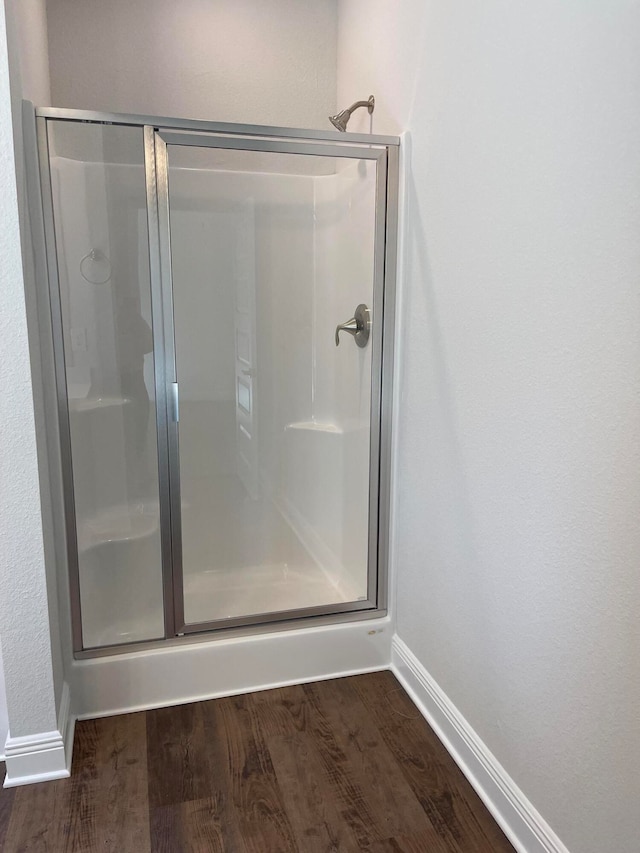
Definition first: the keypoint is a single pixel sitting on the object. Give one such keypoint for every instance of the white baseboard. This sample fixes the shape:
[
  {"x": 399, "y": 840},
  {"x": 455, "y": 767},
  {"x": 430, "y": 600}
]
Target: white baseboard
[
  {"x": 43, "y": 756},
  {"x": 523, "y": 825},
  {"x": 190, "y": 672}
]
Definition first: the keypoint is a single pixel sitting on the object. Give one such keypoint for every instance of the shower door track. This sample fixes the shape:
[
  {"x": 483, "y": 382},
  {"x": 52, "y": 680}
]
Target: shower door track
[{"x": 158, "y": 132}]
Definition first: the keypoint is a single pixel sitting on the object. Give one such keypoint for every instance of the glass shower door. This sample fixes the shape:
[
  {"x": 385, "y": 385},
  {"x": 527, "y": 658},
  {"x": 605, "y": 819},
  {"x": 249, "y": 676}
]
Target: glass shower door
[
  {"x": 94, "y": 178},
  {"x": 267, "y": 247},
  {"x": 222, "y": 339}
]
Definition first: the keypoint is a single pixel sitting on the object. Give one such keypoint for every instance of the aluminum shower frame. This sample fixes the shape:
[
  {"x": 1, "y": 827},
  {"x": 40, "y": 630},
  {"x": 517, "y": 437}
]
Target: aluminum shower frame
[{"x": 159, "y": 134}]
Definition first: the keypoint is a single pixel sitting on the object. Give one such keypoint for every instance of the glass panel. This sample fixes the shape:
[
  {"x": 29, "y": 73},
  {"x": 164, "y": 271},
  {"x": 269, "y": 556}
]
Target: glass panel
[
  {"x": 99, "y": 197},
  {"x": 269, "y": 253}
]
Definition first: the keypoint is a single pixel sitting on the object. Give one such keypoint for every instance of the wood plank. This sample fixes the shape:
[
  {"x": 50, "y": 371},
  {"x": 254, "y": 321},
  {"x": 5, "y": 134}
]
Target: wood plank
[
  {"x": 199, "y": 826},
  {"x": 391, "y": 799},
  {"x": 39, "y": 820},
  {"x": 350, "y": 790},
  {"x": 419, "y": 843},
  {"x": 343, "y": 765},
  {"x": 453, "y": 807},
  {"x": 104, "y": 804},
  {"x": 256, "y": 796},
  {"x": 283, "y": 711},
  {"x": 311, "y": 803},
  {"x": 165, "y": 829},
  {"x": 6, "y": 803},
  {"x": 109, "y": 786},
  {"x": 213, "y": 817},
  {"x": 177, "y": 755}
]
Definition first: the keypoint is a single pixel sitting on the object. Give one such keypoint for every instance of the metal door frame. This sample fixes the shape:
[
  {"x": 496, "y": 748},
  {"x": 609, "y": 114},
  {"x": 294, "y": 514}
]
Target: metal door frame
[
  {"x": 164, "y": 139},
  {"x": 157, "y": 134}
]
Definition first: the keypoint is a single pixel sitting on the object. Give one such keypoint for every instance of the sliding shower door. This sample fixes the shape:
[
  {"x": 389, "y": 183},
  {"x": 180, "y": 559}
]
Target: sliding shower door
[
  {"x": 222, "y": 316},
  {"x": 267, "y": 248}
]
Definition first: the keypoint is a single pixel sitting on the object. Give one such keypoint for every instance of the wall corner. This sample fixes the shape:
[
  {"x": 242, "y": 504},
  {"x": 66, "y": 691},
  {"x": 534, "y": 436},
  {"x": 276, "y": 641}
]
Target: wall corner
[{"x": 42, "y": 756}]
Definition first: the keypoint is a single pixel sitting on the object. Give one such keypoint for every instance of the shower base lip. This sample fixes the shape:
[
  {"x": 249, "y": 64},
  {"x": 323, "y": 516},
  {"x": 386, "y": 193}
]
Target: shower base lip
[{"x": 242, "y": 664}]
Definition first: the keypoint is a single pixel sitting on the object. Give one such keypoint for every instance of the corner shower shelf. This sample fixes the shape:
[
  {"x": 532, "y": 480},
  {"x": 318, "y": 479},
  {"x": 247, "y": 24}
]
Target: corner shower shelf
[
  {"x": 118, "y": 524},
  {"x": 90, "y": 404},
  {"x": 315, "y": 426},
  {"x": 349, "y": 426}
]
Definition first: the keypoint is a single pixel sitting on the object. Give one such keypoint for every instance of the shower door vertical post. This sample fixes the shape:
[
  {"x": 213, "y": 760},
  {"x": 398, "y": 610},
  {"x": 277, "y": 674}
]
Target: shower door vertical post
[
  {"x": 387, "y": 385},
  {"x": 70, "y": 531},
  {"x": 170, "y": 385},
  {"x": 161, "y": 383},
  {"x": 374, "y": 556}
]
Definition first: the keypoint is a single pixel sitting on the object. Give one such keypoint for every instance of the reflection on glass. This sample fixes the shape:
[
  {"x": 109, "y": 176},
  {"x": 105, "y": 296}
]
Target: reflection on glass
[
  {"x": 269, "y": 253},
  {"x": 103, "y": 262}
]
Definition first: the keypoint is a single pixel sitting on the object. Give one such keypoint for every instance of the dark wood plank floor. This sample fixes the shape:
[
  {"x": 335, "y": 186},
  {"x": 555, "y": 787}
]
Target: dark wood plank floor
[{"x": 341, "y": 765}]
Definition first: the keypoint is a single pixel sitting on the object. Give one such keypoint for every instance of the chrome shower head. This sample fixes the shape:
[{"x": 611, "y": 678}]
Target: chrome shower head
[{"x": 341, "y": 119}]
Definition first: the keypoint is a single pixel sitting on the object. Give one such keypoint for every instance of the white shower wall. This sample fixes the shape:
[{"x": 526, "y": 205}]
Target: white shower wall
[
  {"x": 240, "y": 236},
  {"x": 332, "y": 448},
  {"x": 312, "y": 404},
  {"x": 312, "y": 237}
]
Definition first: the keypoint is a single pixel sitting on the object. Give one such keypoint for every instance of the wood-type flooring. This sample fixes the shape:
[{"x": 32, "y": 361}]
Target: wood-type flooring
[{"x": 341, "y": 765}]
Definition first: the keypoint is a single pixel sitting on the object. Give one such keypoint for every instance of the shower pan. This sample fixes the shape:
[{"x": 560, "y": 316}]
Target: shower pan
[{"x": 224, "y": 409}]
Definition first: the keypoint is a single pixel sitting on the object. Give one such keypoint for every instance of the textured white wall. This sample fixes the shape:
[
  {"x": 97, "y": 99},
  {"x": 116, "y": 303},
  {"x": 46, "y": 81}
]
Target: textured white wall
[
  {"x": 519, "y": 475},
  {"x": 32, "y": 673},
  {"x": 246, "y": 61},
  {"x": 4, "y": 715},
  {"x": 29, "y": 70}
]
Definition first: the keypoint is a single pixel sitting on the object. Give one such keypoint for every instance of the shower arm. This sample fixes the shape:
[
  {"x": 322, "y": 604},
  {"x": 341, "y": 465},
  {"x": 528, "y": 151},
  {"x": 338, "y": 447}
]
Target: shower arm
[{"x": 369, "y": 104}]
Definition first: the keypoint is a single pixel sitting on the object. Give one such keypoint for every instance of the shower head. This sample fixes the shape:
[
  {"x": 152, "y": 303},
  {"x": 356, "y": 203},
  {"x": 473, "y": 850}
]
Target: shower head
[{"x": 341, "y": 119}]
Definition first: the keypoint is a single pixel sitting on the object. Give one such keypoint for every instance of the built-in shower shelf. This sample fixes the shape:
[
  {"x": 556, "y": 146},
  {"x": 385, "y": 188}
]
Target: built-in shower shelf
[
  {"x": 349, "y": 426},
  {"x": 118, "y": 524},
  {"x": 90, "y": 404},
  {"x": 315, "y": 426}
]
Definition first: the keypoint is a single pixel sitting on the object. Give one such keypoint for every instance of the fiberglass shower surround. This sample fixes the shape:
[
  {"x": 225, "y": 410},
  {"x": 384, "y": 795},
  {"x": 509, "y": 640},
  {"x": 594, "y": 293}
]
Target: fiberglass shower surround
[{"x": 222, "y": 455}]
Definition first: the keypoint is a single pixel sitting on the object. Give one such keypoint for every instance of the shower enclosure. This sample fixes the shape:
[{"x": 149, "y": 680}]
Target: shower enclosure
[{"x": 223, "y": 408}]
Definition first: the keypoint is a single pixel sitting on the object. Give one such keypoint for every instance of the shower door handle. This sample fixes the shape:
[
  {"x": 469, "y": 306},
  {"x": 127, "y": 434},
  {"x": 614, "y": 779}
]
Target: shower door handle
[
  {"x": 359, "y": 326},
  {"x": 175, "y": 403}
]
